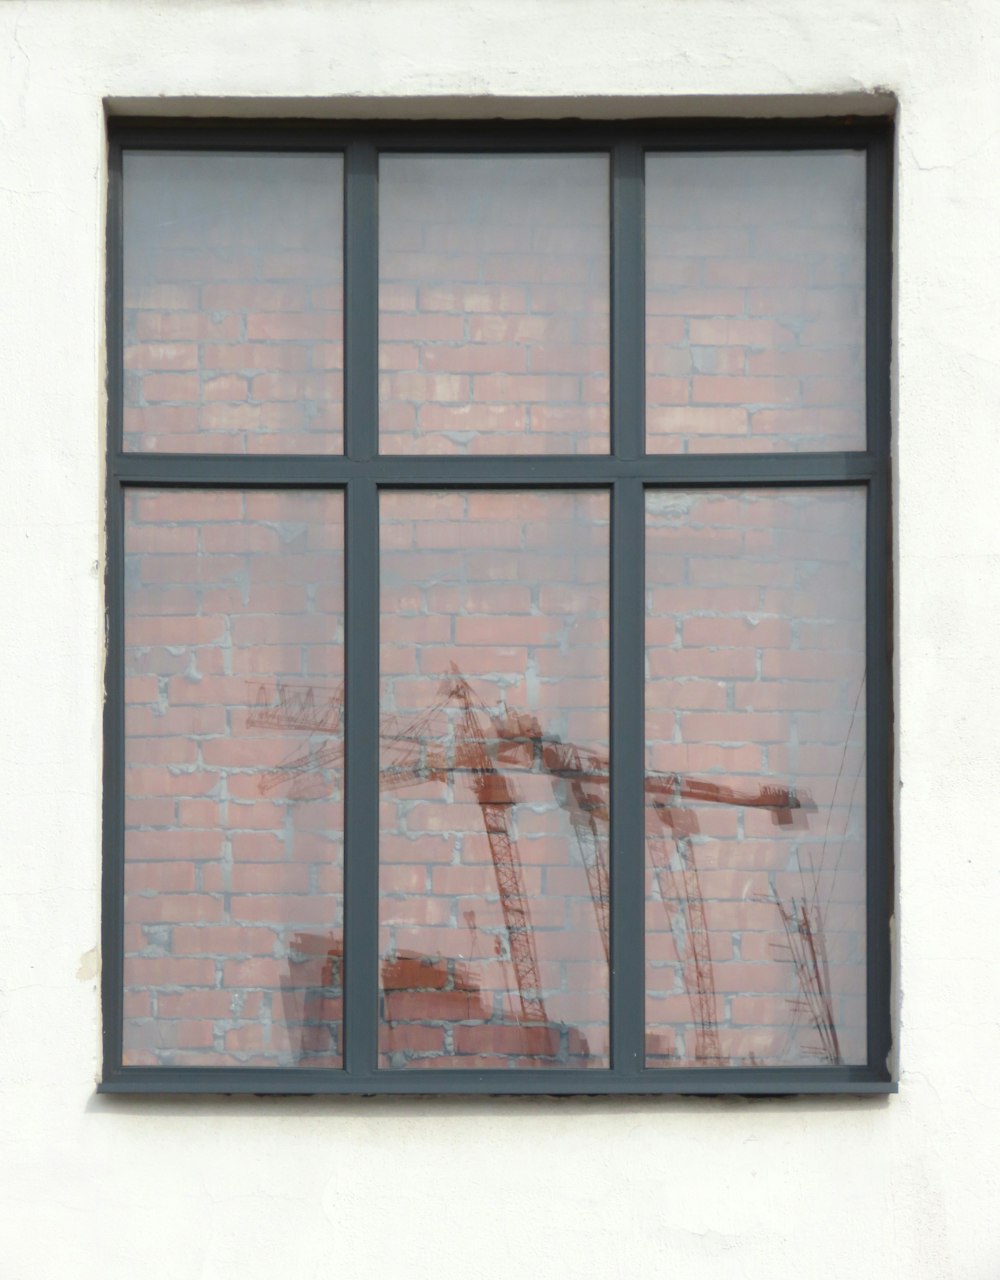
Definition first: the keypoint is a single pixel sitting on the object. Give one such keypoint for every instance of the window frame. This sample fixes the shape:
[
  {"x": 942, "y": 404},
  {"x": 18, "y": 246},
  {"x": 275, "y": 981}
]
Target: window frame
[{"x": 360, "y": 472}]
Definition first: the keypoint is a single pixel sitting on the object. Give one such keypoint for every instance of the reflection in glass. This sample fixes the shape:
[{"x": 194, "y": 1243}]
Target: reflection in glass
[
  {"x": 493, "y": 902},
  {"x": 755, "y": 302},
  {"x": 755, "y": 792},
  {"x": 233, "y": 324},
  {"x": 493, "y": 303},
  {"x": 234, "y": 774}
]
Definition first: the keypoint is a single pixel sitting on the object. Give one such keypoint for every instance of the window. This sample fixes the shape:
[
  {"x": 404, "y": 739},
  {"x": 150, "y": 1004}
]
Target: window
[{"x": 498, "y": 687}]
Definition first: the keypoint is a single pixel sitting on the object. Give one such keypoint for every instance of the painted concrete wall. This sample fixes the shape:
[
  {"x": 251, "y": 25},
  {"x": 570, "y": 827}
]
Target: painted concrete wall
[{"x": 902, "y": 1187}]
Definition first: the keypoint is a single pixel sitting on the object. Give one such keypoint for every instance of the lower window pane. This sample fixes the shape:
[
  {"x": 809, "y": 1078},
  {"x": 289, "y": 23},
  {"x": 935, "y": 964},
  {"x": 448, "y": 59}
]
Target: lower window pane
[
  {"x": 233, "y": 752},
  {"x": 755, "y": 786},
  {"x": 493, "y": 904}
]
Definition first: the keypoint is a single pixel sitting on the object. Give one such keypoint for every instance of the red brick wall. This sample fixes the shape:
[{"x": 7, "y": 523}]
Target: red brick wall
[
  {"x": 508, "y": 589},
  {"x": 755, "y": 274},
  {"x": 233, "y": 808},
  {"x": 756, "y": 661},
  {"x": 494, "y": 304},
  {"x": 233, "y": 313}
]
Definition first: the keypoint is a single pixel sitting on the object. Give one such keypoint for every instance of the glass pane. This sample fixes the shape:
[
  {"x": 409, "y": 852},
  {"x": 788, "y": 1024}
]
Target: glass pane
[
  {"x": 494, "y": 778},
  {"x": 755, "y": 302},
  {"x": 493, "y": 304},
  {"x": 233, "y": 796},
  {"x": 233, "y": 303},
  {"x": 755, "y": 785}
]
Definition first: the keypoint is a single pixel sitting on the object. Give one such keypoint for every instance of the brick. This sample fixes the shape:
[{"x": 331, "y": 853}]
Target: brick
[
  {"x": 168, "y": 971},
  {"x": 162, "y": 297},
  {"x": 740, "y": 633},
  {"x": 255, "y": 973},
  {"x": 480, "y": 358},
  {"x": 723, "y": 390},
  {"x": 293, "y": 326},
  {"x": 412, "y": 974},
  {"x": 696, "y": 302},
  {"x": 161, "y": 356},
  {"x": 286, "y": 909},
  {"x": 532, "y": 1041},
  {"x": 273, "y": 878},
  {"x": 254, "y": 297},
  {"x": 159, "y": 877},
  {"x": 734, "y": 727},
  {"x": 180, "y": 326},
  {"x": 414, "y": 1038},
  {"x": 174, "y": 844},
  {"x": 181, "y": 908},
  {"x": 444, "y": 1006},
  {"x": 143, "y": 782},
  {"x": 149, "y": 812}
]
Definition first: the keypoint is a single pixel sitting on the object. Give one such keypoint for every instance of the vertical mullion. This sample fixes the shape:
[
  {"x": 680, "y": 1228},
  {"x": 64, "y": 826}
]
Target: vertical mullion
[
  {"x": 361, "y": 613},
  {"x": 361, "y": 301},
  {"x": 361, "y": 780},
  {"x": 627, "y": 614},
  {"x": 627, "y": 776},
  {"x": 879, "y": 894},
  {"x": 628, "y": 303}
]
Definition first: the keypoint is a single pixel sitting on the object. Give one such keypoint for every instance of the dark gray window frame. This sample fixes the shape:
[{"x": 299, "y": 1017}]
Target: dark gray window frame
[{"x": 627, "y": 472}]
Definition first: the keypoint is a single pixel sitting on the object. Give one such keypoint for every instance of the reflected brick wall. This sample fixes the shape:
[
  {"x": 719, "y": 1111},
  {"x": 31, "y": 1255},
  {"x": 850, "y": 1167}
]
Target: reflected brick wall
[
  {"x": 493, "y": 338},
  {"x": 755, "y": 315},
  {"x": 494, "y": 274},
  {"x": 507, "y": 591},
  {"x": 233, "y": 318},
  {"x": 756, "y": 660},
  {"x": 233, "y": 782}
]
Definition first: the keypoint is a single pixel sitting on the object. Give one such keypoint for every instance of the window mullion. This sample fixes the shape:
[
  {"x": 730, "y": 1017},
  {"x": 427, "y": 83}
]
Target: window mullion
[
  {"x": 627, "y": 777},
  {"x": 361, "y": 612},
  {"x": 627, "y": 640},
  {"x": 361, "y": 765},
  {"x": 627, "y": 303},
  {"x": 361, "y": 302}
]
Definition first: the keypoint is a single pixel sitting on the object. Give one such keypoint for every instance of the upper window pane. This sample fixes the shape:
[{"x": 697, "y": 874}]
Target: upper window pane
[
  {"x": 755, "y": 302},
  {"x": 493, "y": 304},
  {"x": 233, "y": 314}
]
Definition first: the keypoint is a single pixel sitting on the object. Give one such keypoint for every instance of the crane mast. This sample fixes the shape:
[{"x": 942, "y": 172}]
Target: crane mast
[{"x": 496, "y": 798}]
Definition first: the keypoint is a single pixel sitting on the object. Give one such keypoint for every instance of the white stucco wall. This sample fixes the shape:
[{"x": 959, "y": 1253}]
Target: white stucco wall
[{"x": 903, "y": 1187}]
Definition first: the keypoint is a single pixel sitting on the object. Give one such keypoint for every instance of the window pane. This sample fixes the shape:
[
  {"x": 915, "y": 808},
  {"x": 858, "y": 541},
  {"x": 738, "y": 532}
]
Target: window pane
[
  {"x": 493, "y": 304},
  {"x": 233, "y": 303},
  {"x": 494, "y": 779},
  {"x": 755, "y": 302},
  {"x": 755, "y": 790},
  {"x": 233, "y": 796}
]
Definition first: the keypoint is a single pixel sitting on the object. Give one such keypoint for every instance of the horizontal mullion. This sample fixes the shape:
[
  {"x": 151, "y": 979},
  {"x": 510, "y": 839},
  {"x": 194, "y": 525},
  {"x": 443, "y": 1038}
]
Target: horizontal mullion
[
  {"x": 322, "y": 470},
  {"x": 484, "y": 137},
  {"x": 219, "y": 135},
  {"x": 751, "y": 1080}
]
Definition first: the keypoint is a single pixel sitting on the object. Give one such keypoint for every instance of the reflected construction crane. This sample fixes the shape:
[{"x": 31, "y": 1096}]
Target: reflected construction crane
[
  {"x": 665, "y": 794},
  {"x": 419, "y": 759},
  {"x": 496, "y": 797},
  {"x": 483, "y": 740},
  {"x": 584, "y": 778},
  {"x": 580, "y": 783}
]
